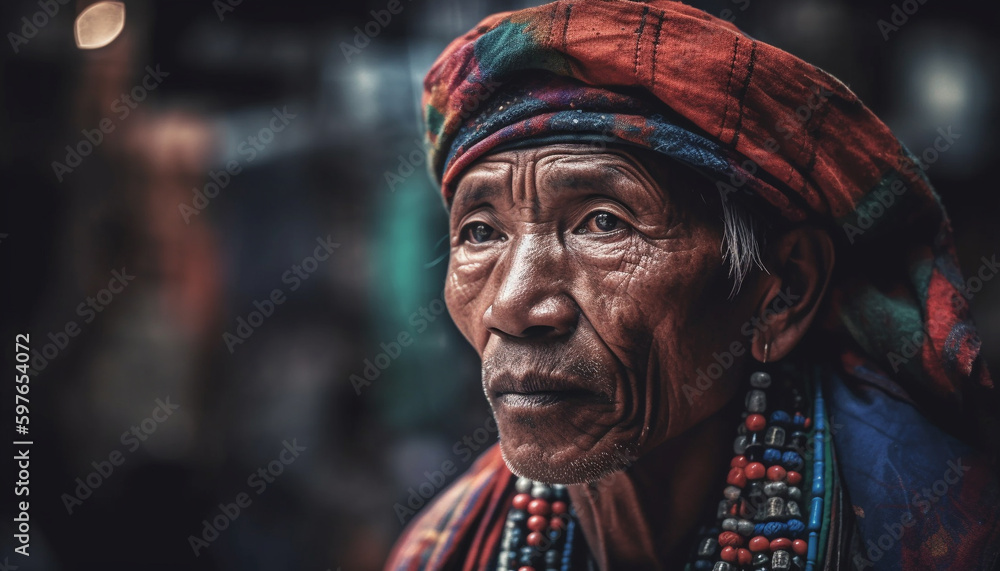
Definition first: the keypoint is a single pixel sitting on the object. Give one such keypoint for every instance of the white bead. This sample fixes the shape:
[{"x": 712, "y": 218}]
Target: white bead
[{"x": 760, "y": 379}]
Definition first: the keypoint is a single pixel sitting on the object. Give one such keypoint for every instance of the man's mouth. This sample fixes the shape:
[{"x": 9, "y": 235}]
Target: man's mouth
[
  {"x": 542, "y": 398},
  {"x": 533, "y": 391}
]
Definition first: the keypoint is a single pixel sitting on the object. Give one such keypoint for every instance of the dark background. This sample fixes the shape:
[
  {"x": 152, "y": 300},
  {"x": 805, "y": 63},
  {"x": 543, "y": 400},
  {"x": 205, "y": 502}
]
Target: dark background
[{"x": 337, "y": 504}]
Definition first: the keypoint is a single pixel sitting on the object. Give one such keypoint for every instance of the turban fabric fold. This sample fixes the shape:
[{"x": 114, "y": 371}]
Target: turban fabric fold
[{"x": 760, "y": 122}]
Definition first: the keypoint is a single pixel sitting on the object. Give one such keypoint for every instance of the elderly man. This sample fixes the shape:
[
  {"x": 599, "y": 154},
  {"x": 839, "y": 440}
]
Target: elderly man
[{"x": 717, "y": 304}]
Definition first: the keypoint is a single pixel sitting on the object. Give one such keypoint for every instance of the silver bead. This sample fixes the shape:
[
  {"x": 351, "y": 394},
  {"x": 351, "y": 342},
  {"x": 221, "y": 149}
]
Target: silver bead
[
  {"x": 740, "y": 444},
  {"x": 756, "y": 401},
  {"x": 523, "y": 485},
  {"x": 794, "y": 493},
  {"x": 781, "y": 560},
  {"x": 772, "y": 489},
  {"x": 707, "y": 547},
  {"x": 723, "y": 510},
  {"x": 792, "y": 509},
  {"x": 722, "y": 566},
  {"x": 732, "y": 493},
  {"x": 729, "y": 524},
  {"x": 760, "y": 380},
  {"x": 540, "y": 490},
  {"x": 744, "y": 527},
  {"x": 775, "y": 507},
  {"x": 774, "y": 437}
]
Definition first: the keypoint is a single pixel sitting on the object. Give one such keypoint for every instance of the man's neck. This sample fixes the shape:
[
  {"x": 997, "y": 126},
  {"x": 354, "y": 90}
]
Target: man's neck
[{"x": 639, "y": 518}]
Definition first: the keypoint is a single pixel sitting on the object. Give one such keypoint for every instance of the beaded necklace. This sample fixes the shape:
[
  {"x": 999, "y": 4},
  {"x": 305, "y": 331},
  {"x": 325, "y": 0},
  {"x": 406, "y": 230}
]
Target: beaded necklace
[{"x": 767, "y": 519}]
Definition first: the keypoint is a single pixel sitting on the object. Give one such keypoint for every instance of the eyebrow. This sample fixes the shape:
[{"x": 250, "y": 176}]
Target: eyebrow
[{"x": 479, "y": 192}]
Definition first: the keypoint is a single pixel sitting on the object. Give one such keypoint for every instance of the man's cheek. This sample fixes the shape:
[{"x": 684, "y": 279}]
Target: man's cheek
[{"x": 463, "y": 305}]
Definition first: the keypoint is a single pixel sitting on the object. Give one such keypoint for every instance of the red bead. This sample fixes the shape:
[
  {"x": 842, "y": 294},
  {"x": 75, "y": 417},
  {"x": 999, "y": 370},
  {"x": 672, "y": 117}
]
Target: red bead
[
  {"x": 521, "y": 501},
  {"x": 730, "y": 538},
  {"x": 738, "y": 462},
  {"x": 800, "y": 547},
  {"x": 734, "y": 508},
  {"x": 776, "y": 473},
  {"x": 537, "y": 522},
  {"x": 525, "y": 568},
  {"x": 535, "y": 538},
  {"x": 756, "y": 422},
  {"x": 759, "y": 543},
  {"x": 557, "y": 523},
  {"x": 745, "y": 509},
  {"x": 736, "y": 478},
  {"x": 728, "y": 554},
  {"x": 781, "y": 543},
  {"x": 744, "y": 557},
  {"x": 559, "y": 507},
  {"x": 754, "y": 471},
  {"x": 794, "y": 478},
  {"x": 808, "y": 423},
  {"x": 539, "y": 507}
]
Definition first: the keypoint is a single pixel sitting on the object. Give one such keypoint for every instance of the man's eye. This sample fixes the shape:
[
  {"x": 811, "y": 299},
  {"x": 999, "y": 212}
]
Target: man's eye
[
  {"x": 478, "y": 232},
  {"x": 601, "y": 222}
]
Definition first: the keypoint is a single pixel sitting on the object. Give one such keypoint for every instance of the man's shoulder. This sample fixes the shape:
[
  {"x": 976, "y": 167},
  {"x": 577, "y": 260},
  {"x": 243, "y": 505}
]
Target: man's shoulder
[{"x": 452, "y": 516}]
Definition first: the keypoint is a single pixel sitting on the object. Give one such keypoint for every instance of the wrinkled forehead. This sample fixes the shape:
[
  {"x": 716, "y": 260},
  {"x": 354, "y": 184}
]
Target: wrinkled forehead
[{"x": 558, "y": 166}]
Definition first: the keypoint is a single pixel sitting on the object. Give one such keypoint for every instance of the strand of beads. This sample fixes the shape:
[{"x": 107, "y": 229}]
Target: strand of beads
[
  {"x": 819, "y": 481},
  {"x": 538, "y": 533},
  {"x": 760, "y": 520}
]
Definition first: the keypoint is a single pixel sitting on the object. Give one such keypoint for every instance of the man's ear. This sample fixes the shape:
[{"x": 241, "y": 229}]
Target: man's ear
[{"x": 800, "y": 263}]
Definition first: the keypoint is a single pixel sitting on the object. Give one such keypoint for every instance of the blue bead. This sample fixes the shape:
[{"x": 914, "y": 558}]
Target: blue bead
[
  {"x": 813, "y": 547},
  {"x": 818, "y": 449},
  {"x": 772, "y": 455},
  {"x": 816, "y": 514},
  {"x": 758, "y": 529},
  {"x": 703, "y": 564},
  {"x": 792, "y": 461},
  {"x": 780, "y": 416},
  {"x": 774, "y": 529},
  {"x": 796, "y": 527},
  {"x": 819, "y": 482}
]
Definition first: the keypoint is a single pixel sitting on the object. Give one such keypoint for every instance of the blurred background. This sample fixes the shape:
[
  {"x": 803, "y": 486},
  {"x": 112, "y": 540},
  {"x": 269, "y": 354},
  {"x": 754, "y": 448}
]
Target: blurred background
[{"x": 217, "y": 227}]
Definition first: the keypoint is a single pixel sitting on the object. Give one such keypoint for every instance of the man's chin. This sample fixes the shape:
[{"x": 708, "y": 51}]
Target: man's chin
[{"x": 564, "y": 466}]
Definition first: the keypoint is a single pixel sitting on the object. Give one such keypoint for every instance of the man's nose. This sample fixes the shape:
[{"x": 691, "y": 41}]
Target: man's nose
[{"x": 531, "y": 300}]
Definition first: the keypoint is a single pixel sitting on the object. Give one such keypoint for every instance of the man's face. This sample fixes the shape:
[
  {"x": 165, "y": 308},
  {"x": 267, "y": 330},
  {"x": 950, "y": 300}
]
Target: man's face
[{"x": 593, "y": 290}]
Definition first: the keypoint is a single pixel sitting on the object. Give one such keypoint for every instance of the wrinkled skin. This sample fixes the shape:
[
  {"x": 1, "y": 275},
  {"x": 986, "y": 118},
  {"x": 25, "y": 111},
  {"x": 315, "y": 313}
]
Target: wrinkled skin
[
  {"x": 592, "y": 289},
  {"x": 592, "y": 285}
]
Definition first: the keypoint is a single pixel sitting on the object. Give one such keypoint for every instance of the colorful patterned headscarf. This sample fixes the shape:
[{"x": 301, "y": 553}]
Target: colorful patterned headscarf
[{"x": 759, "y": 121}]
